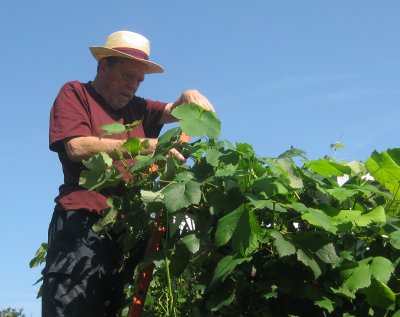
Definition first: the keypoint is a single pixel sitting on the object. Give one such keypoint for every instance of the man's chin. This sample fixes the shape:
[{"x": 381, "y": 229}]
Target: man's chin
[{"x": 118, "y": 105}]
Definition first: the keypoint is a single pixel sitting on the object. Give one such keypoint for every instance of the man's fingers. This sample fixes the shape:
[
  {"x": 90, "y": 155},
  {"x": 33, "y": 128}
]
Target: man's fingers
[
  {"x": 196, "y": 97},
  {"x": 175, "y": 153},
  {"x": 204, "y": 103}
]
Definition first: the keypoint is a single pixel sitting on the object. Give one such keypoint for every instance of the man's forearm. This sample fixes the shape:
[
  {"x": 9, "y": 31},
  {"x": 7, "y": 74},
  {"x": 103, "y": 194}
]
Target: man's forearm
[
  {"x": 82, "y": 148},
  {"x": 167, "y": 117}
]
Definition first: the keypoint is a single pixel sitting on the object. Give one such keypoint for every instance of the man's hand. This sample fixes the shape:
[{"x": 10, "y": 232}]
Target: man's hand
[
  {"x": 176, "y": 154},
  {"x": 188, "y": 96},
  {"x": 192, "y": 95}
]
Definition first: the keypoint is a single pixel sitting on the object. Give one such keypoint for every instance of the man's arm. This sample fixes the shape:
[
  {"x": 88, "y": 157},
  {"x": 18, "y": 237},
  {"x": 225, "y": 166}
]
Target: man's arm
[
  {"x": 82, "y": 148},
  {"x": 188, "y": 96}
]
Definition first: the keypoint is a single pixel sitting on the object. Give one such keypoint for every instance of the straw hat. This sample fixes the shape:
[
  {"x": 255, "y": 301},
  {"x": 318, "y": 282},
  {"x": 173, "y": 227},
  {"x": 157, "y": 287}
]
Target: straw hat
[{"x": 129, "y": 45}]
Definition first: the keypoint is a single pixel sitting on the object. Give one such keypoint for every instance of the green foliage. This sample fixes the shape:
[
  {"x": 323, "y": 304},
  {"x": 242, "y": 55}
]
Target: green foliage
[
  {"x": 259, "y": 236},
  {"x": 40, "y": 256},
  {"x": 11, "y": 312}
]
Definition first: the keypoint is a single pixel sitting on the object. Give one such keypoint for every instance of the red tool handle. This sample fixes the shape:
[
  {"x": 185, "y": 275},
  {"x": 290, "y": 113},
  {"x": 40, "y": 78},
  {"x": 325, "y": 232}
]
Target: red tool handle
[{"x": 145, "y": 275}]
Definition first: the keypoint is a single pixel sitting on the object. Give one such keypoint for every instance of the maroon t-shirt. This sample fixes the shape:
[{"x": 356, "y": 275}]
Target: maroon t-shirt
[{"x": 79, "y": 111}]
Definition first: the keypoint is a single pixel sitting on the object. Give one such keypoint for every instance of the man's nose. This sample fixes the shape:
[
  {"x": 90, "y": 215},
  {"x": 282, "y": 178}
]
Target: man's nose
[{"x": 133, "y": 85}]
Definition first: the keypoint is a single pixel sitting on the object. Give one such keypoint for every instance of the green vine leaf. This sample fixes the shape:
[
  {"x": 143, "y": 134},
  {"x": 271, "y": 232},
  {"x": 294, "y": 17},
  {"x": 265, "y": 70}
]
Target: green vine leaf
[
  {"x": 317, "y": 218},
  {"x": 246, "y": 234},
  {"x": 282, "y": 244},
  {"x": 385, "y": 168},
  {"x": 381, "y": 268},
  {"x": 196, "y": 121},
  {"x": 341, "y": 194},
  {"x": 112, "y": 128},
  {"x": 117, "y": 128},
  {"x": 212, "y": 156},
  {"x": 40, "y": 256},
  {"x": 224, "y": 267},
  {"x": 167, "y": 139},
  {"x": 327, "y": 254},
  {"x": 191, "y": 242},
  {"x": 181, "y": 195},
  {"x": 295, "y": 181},
  {"x": 358, "y": 275},
  {"x": 395, "y": 239},
  {"x": 380, "y": 295},
  {"x": 100, "y": 174},
  {"x": 135, "y": 146},
  {"x": 109, "y": 218},
  {"x": 326, "y": 303},
  {"x": 328, "y": 168},
  {"x": 307, "y": 259},
  {"x": 227, "y": 225}
]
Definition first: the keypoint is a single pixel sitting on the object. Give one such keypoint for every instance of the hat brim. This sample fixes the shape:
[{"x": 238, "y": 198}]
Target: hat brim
[{"x": 101, "y": 52}]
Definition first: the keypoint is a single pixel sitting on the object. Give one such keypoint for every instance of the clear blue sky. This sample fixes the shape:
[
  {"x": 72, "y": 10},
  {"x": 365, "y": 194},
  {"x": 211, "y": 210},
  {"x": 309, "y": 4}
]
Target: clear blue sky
[{"x": 280, "y": 73}]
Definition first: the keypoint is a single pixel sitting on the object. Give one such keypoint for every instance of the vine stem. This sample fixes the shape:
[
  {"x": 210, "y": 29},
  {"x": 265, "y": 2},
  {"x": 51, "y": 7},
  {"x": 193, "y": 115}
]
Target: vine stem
[{"x": 170, "y": 302}]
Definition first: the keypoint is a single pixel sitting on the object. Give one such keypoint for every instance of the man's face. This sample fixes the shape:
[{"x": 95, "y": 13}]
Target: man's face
[{"x": 120, "y": 81}]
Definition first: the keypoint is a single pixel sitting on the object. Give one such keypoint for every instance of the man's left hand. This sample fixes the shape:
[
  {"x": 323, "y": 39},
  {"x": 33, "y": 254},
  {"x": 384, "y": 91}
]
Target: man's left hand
[{"x": 188, "y": 96}]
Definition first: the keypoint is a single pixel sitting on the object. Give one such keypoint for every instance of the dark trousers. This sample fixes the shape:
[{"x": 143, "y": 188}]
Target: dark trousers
[{"x": 82, "y": 274}]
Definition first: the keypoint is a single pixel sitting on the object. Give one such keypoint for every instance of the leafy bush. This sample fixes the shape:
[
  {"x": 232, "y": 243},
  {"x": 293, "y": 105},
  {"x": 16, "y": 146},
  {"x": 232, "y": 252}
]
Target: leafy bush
[
  {"x": 257, "y": 236},
  {"x": 11, "y": 312}
]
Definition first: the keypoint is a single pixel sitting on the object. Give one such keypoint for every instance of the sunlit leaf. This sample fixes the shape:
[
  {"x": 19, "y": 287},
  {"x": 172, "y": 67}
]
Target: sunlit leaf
[
  {"x": 212, "y": 156},
  {"x": 196, "y": 121},
  {"x": 328, "y": 168},
  {"x": 319, "y": 219},
  {"x": 295, "y": 180},
  {"x": 98, "y": 162},
  {"x": 381, "y": 268},
  {"x": 384, "y": 167},
  {"x": 112, "y": 128},
  {"x": 325, "y": 303},
  {"x": 341, "y": 194},
  {"x": 356, "y": 276},
  {"x": 40, "y": 256},
  {"x": 134, "y": 146},
  {"x": 100, "y": 173}
]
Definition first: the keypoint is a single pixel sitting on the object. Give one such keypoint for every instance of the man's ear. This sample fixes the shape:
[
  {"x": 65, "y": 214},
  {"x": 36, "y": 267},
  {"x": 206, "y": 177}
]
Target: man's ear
[{"x": 102, "y": 64}]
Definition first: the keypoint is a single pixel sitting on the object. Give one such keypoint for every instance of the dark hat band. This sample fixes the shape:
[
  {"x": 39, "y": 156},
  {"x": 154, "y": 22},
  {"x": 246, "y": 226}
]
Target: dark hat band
[{"x": 132, "y": 52}]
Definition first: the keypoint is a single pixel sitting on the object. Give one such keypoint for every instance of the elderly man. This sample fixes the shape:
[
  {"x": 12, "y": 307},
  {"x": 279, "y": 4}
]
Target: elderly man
[{"x": 81, "y": 276}]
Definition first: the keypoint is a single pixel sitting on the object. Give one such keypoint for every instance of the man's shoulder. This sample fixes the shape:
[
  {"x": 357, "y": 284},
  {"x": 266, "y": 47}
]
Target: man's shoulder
[{"x": 73, "y": 85}]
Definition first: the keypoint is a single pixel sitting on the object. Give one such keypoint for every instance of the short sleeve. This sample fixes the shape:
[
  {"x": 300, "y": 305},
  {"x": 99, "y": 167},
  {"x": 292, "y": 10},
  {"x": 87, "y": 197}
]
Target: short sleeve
[
  {"x": 152, "y": 117},
  {"x": 69, "y": 116}
]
